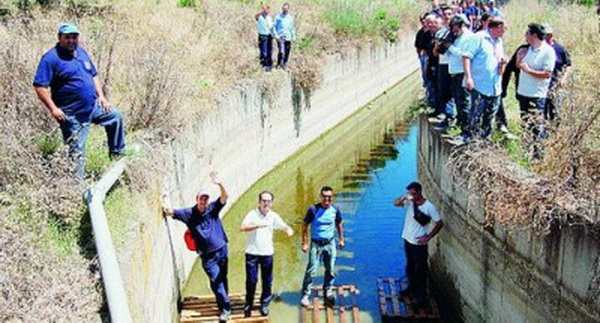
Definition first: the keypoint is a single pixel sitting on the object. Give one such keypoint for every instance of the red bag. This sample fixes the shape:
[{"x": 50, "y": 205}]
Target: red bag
[{"x": 189, "y": 240}]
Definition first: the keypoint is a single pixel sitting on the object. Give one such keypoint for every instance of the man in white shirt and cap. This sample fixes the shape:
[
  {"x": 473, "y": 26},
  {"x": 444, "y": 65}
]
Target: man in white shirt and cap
[{"x": 260, "y": 224}]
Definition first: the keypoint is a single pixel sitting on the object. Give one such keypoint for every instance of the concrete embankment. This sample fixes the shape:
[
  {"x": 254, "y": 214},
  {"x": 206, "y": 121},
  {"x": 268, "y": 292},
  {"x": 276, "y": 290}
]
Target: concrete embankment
[
  {"x": 500, "y": 275},
  {"x": 248, "y": 134}
]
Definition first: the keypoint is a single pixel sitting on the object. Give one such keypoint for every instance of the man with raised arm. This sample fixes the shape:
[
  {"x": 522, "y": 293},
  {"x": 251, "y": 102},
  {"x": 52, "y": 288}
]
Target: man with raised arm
[
  {"x": 324, "y": 218},
  {"x": 204, "y": 222},
  {"x": 260, "y": 224},
  {"x": 420, "y": 214}
]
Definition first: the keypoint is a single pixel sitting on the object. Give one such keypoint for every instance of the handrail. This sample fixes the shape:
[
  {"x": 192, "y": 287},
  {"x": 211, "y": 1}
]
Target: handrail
[{"x": 109, "y": 265}]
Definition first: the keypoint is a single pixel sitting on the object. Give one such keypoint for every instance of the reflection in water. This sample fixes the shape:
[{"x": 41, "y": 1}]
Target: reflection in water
[{"x": 369, "y": 158}]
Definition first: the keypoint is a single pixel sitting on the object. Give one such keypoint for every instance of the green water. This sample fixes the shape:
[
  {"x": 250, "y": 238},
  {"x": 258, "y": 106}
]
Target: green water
[{"x": 360, "y": 158}]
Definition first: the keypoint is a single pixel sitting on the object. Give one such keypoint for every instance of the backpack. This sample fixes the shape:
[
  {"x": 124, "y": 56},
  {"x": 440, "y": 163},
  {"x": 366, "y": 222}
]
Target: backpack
[{"x": 189, "y": 240}]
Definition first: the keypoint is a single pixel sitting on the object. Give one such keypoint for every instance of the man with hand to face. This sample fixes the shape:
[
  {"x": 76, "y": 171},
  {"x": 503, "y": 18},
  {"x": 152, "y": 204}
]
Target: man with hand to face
[
  {"x": 419, "y": 216},
  {"x": 260, "y": 224},
  {"x": 324, "y": 218},
  {"x": 204, "y": 222}
]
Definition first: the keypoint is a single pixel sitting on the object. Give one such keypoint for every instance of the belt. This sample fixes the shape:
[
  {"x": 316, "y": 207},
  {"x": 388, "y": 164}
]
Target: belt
[{"x": 321, "y": 242}]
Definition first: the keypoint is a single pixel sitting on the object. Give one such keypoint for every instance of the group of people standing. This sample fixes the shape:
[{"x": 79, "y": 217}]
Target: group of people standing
[
  {"x": 282, "y": 29},
  {"x": 322, "y": 219},
  {"x": 466, "y": 72}
]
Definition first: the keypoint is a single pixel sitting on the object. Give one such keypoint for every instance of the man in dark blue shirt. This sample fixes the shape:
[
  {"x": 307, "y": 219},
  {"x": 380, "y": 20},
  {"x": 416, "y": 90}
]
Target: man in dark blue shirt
[
  {"x": 324, "y": 218},
  {"x": 75, "y": 98},
  {"x": 562, "y": 69},
  {"x": 211, "y": 241}
]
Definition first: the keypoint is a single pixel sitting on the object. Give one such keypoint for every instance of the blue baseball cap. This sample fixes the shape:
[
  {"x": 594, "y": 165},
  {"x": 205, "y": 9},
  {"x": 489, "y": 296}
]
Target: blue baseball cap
[{"x": 68, "y": 29}]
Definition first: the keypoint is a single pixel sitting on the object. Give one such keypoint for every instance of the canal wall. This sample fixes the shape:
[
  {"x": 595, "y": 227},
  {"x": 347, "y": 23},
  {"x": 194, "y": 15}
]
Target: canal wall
[
  {"x": 251, "y": 130},
  {"x": 499, "y": 275}
]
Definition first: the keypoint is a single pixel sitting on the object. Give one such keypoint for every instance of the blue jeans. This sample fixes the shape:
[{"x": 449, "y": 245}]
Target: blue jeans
[
  {"x": 265, "y": 45},
  {"x": 75, "y": 133},
  {"x": 320, "y": 251},
  {"x": 484, "y": 110},
  {"x": 266, "y": 275},
  {"x": 283, "y": 52},
  {"x": 215, "y": 266},
  {"x": 423, "y": 63}
]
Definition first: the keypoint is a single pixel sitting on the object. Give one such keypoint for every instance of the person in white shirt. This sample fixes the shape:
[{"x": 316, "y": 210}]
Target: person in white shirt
[
  {"x": 536, "y": 64},
  {"x": 266, "y": 30},
  {"x": 260, "y": 224},
  {"x": 420, "y": 214}
]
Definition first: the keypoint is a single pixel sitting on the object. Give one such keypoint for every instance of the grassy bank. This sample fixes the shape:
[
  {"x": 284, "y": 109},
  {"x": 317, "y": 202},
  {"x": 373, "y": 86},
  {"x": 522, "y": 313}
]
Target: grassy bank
[
  {"x": 164, "y": 64},
  {"x": 570, "y": 168}
]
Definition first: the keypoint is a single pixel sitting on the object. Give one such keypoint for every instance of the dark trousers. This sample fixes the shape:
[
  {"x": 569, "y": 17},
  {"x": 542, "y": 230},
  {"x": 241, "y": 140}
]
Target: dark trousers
[
  {"x": 265, "y": 45},
  {"x": 553, "y": 104},
  {"x": 283, "y": 52},
  {"x": 501, "y": 115},
  {"x": 215, "y": 266},
  {"x": 444, "y": 102},
  {"x": 416, "y": 269},
  {"x": 484, "y": 110},
  {"x": 533, "y": 125},
  {"x": 266, "y": 276},
  {"x": 462, "y": 99}
]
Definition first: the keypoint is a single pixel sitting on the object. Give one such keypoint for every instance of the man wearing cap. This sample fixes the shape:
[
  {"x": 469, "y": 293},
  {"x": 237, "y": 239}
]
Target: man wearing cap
[
  {"x": 536, "y": 64},
  {"x": 324, "y": 218},
  {"x": 260, "y": 224},
  {"x": 483, "y": 62},
  {"x": 562, "y": 69},
  {"x": 67, "y": 83},
  {"x": 459, "y": 26},
  {"x": 204, "y": 222}
]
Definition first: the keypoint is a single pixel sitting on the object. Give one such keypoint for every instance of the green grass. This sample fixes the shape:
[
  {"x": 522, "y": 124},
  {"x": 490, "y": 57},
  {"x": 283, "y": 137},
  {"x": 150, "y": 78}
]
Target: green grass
[
  {"x": 120, "y": 207},
  {"x": 48, "y": 144}
]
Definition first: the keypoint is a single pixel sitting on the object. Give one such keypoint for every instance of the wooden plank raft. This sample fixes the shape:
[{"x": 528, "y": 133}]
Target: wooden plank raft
[
  {"x": 345, "y": 309},
  {"x": 397, "y": 308},
  {"x": 203, "y": 309}
]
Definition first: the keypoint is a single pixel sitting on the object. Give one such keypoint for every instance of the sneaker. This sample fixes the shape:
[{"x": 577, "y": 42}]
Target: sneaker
[
  {"x": 330, "y": 297},
  {"x": 503, "y": 129},
  {"x": 224, "y": 317},
  {"x": 305, "y": 301},
  {"x": 247, "y": 311},
  {"x": 264, "y": 311}
]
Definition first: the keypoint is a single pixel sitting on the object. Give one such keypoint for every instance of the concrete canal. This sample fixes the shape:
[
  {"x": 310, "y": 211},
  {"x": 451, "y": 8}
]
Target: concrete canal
[{"x": 368, "y": 158}]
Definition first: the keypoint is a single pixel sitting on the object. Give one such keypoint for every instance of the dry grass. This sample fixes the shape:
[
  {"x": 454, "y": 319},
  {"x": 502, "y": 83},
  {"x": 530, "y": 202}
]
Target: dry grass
[{"x": 565, "y": 184}]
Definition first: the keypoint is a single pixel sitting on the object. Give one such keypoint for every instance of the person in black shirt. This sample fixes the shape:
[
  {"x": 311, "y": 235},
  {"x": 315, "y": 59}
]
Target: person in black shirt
[
  {"x": 421, "y": 40},
  {"x": 562, "y": 68}
]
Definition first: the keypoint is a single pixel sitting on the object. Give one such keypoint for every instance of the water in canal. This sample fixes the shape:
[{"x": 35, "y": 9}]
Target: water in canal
[{"x": 368, "y": 159}]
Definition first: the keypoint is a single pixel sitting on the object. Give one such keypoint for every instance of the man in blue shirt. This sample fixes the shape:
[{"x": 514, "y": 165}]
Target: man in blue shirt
[
  {"x": 285, "y": 33},
  {"x": 562, "y": 69},
  {"x": 483, "y": 64},
  {"x": 207, "y": 231},
  {"x": 75, "y": 98},
  {"x": 265, "y": 28},
  {"x": 323, "y": 218}
]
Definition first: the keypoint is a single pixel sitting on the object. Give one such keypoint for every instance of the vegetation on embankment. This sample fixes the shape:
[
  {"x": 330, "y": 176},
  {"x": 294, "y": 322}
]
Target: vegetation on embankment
[
  {"x": 163, "y": 63},
  {"x": 569, "y": 173}
]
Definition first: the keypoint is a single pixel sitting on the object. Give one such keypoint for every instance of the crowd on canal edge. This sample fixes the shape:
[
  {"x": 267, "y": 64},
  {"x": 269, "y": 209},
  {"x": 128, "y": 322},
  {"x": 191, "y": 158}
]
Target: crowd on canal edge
[
  {"x": 323, "y": 219},
  {"x": 466, "y": 73}
]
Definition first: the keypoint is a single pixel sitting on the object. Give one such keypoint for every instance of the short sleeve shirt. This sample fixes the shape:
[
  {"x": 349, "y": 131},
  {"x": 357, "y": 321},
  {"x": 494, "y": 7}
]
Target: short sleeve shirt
[
  {"x": 206, "y": 227},
  {"x": 485, "y": 54},
  {"x": 538, "y": 59},
  {"x": 70, "y": 78},
  {"x": 323, "y": 221},
  {"x": 412, "y": 228},
  {"x": 259, "y": 242}
]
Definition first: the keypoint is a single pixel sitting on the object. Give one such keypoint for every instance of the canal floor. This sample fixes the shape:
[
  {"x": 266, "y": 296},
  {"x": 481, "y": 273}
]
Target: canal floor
[{"x": 369, "y": 159}]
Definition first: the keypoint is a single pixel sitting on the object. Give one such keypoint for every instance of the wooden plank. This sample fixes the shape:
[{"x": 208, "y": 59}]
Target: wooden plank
[
  {"x": 303, "y": 315},
  {"x": 315, "y": 310},
  {"x": 355, "y": 312},
  {"x": 395, "y": 305},
  {"x": 329, "y": 312},
  {"x": 342, "y": 304}
]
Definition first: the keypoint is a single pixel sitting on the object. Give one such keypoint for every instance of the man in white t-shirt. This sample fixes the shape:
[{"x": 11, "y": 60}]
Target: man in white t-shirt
[
  {"x": 416, "y": 235},
  {"x": 260, "y": 224},
  {"x": 536, "y": 64}
]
